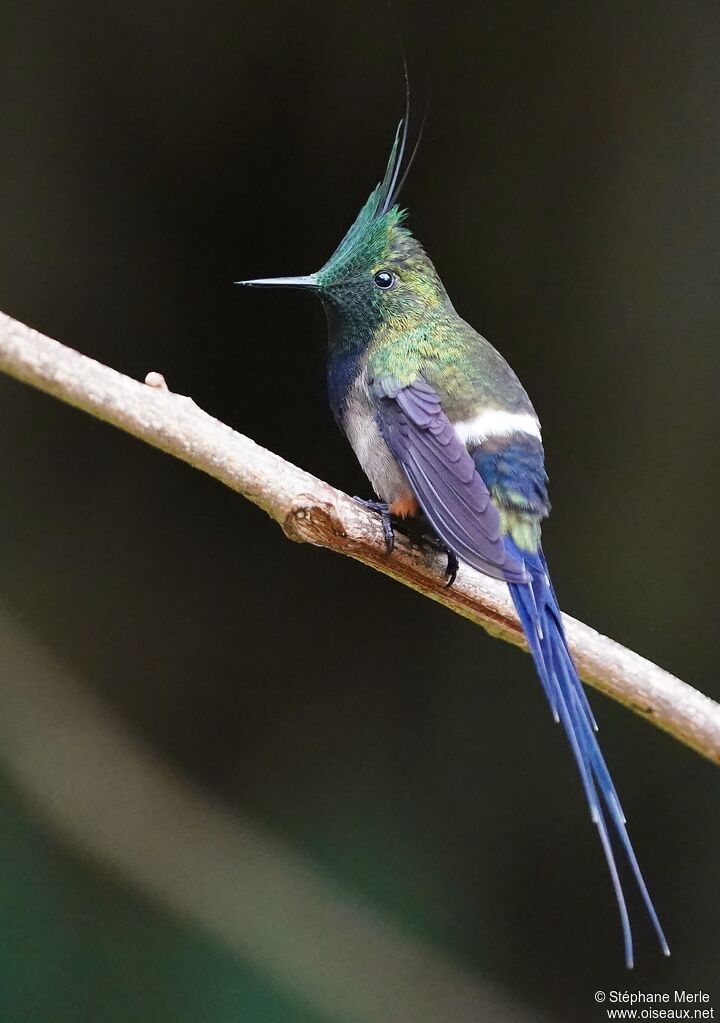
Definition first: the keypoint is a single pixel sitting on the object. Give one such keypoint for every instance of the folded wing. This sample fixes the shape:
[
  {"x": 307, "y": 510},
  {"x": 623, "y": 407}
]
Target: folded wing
[{"x": 443, "y": 476}]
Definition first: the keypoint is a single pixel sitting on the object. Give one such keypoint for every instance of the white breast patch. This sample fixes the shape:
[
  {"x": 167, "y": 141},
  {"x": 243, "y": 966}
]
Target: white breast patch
[{"x": 378, "y": 462}]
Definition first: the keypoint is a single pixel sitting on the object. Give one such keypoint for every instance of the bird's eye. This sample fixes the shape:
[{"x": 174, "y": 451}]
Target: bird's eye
[{"x": 385, "y": 279}]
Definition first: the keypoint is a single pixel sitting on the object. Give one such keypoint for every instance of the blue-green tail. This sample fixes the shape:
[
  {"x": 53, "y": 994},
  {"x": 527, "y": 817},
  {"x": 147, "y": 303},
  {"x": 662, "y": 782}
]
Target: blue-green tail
[{"x": 541, "y": 620}]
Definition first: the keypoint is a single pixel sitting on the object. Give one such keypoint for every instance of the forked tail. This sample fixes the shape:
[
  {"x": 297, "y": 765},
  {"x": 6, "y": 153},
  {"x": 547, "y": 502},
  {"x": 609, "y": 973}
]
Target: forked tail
[{"x": 539, "y": 613}]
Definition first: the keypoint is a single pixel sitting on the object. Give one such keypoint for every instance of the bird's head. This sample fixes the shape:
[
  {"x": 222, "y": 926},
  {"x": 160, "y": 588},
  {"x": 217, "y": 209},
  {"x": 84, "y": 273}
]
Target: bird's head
[{"x": 379, "y": 271}]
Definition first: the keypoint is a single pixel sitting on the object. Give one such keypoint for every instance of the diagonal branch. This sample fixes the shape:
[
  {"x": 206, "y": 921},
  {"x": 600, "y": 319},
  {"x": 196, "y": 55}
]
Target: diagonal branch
[{"x": 312, "y": 511}]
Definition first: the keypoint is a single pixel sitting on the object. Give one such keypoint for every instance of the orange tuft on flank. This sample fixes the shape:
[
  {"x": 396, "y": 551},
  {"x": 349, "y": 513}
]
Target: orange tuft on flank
[{"x": 404, "y": 506}]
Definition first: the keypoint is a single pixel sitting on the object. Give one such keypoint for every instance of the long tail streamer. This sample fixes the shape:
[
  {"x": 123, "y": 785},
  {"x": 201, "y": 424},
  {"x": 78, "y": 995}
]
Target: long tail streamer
[{"x": 541, "y": 620}]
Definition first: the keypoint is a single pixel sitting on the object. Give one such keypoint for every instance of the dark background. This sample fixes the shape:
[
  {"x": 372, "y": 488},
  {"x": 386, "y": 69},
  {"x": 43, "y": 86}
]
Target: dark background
[{"x": 567, "y": 190}]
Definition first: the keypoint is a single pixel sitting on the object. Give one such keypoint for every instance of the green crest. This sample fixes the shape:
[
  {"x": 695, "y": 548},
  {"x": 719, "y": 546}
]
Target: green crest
[
  {"x": 377, "y": 229},
  {"x": 376, "y": 235}
]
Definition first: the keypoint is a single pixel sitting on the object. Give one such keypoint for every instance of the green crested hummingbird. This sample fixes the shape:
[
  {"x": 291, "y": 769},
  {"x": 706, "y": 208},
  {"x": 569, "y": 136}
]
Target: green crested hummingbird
[{"x": 442, "y": 426}]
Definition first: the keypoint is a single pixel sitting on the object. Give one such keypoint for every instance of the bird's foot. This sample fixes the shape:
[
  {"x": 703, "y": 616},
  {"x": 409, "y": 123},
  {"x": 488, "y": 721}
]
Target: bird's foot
[
  {"x": 383, "y": 510},
  {"x": 451, "y": 569},
  {"x": 415, "y": 531},
  {"x": 425, "y": 536}
]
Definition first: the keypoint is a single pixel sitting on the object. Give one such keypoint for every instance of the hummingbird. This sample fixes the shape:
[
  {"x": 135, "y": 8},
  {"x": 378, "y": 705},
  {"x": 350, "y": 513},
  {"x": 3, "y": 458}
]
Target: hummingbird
[{"x": 443, "y": 428}]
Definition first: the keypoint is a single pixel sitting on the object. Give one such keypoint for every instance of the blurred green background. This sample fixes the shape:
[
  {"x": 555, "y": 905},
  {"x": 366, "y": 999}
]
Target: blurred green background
[{"x": 567, "y": 190}]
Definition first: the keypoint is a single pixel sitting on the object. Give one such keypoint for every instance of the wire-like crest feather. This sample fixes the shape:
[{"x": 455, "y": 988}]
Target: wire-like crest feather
[{"x": 380, "y": 214}]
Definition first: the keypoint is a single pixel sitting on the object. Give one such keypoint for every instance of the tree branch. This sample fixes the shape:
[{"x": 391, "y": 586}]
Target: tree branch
[{"x": 312, "y": 511}]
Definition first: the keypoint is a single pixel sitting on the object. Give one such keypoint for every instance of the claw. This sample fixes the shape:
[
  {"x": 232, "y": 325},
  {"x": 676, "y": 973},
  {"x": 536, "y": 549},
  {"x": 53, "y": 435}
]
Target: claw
[
  {"x": 429, "y": 538},
  {"x": 451, "y": 569},
  {"x": 383, "y": 510},
  {"x": 419, "y": 535}
]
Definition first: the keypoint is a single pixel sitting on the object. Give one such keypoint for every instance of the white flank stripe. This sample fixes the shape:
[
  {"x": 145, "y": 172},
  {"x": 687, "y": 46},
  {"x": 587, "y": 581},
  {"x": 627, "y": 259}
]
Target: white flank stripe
[{"x": 496, "y": 423}]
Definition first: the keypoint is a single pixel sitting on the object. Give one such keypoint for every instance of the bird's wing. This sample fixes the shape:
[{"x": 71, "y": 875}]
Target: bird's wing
[{"x": 443, "y": 476}]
